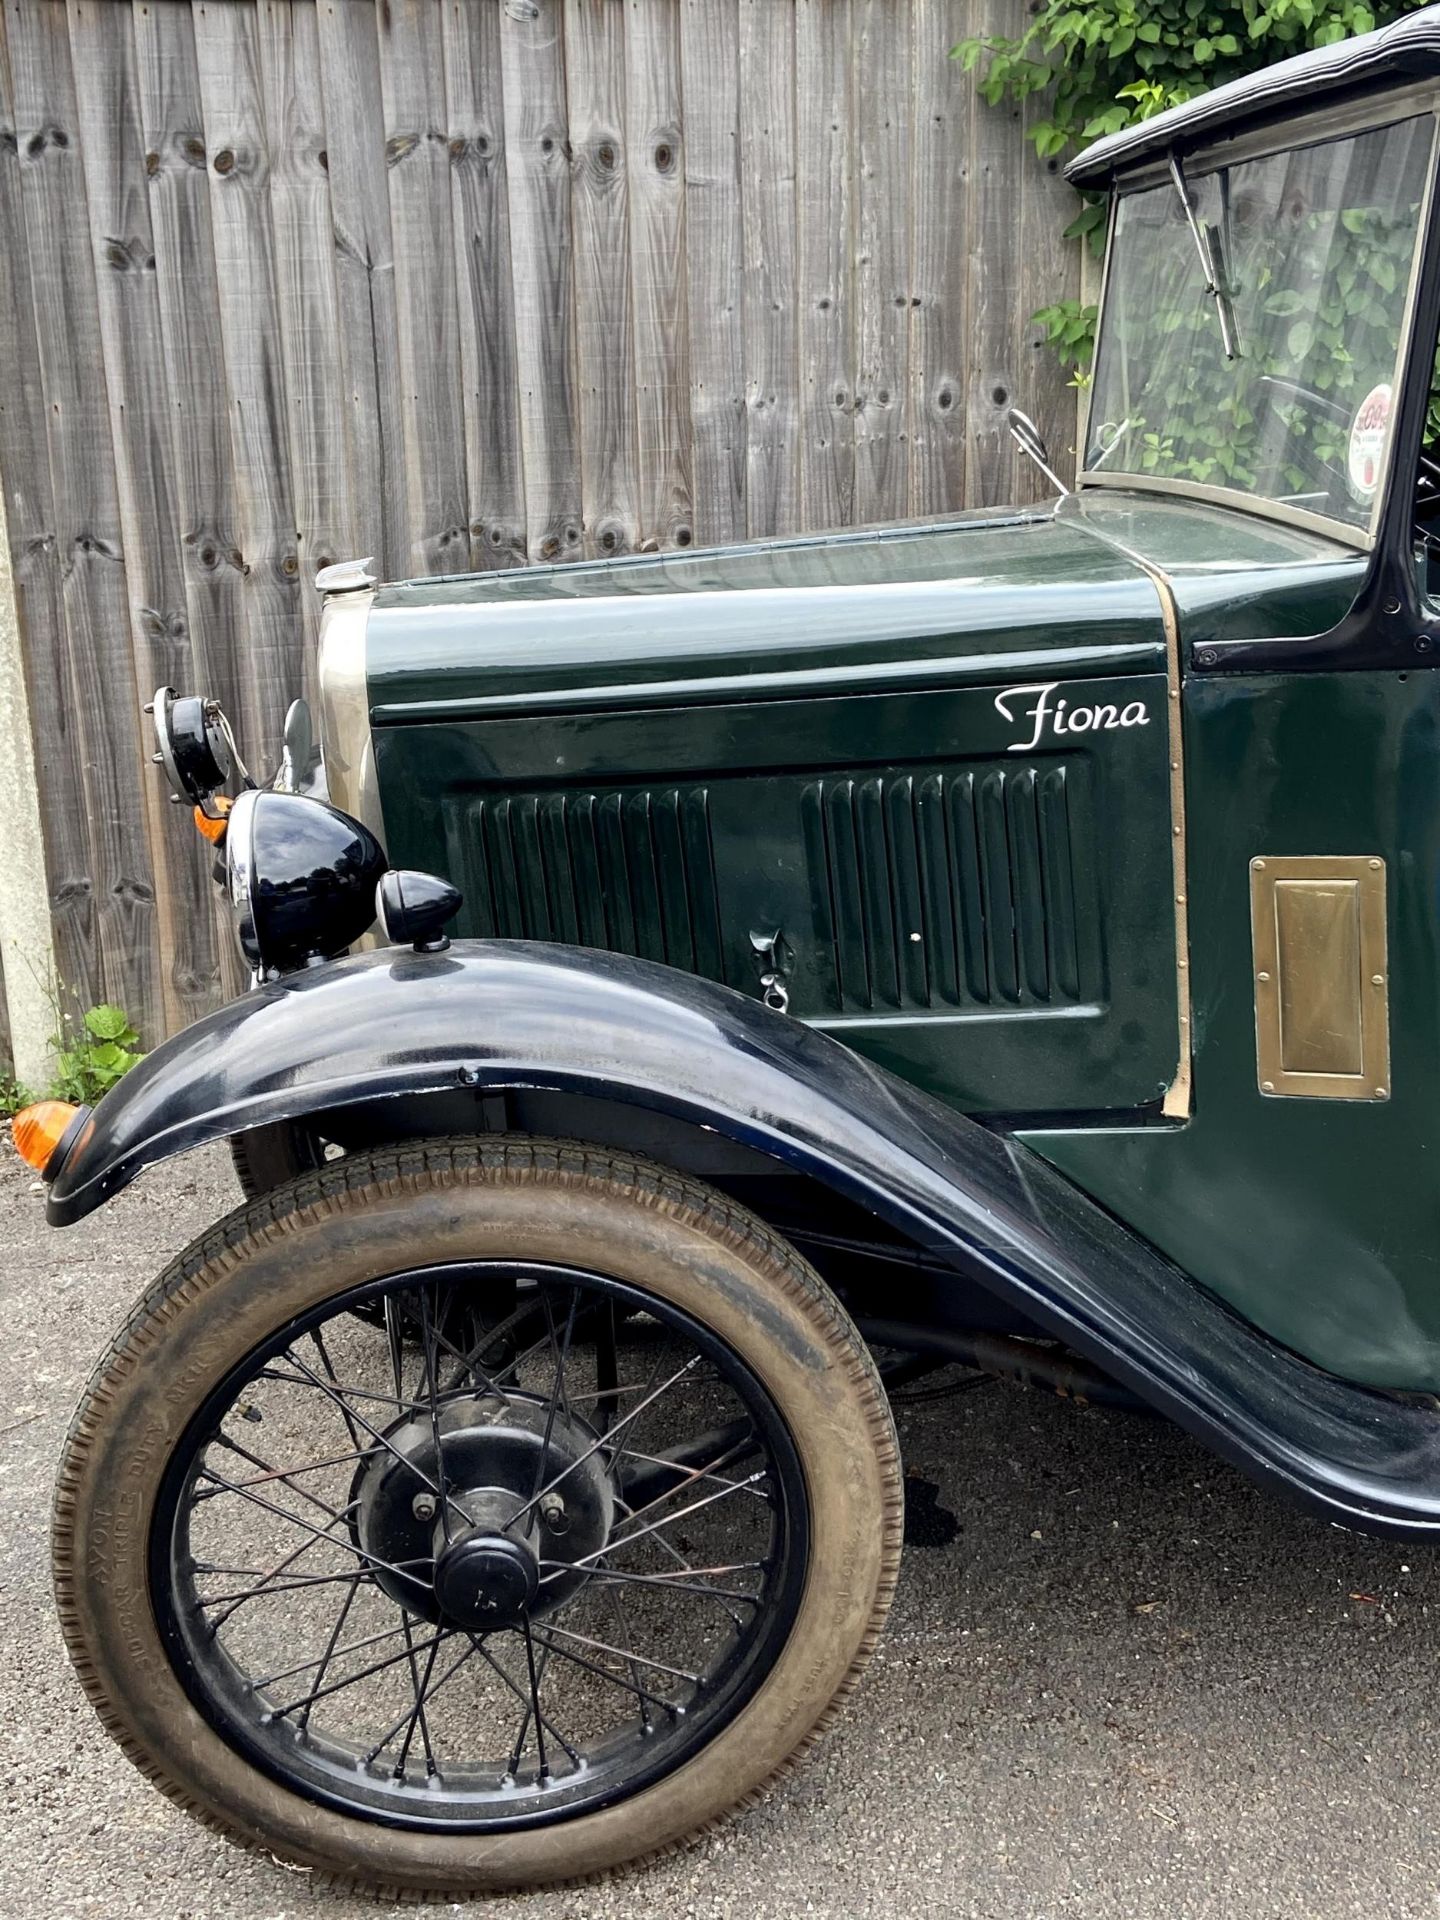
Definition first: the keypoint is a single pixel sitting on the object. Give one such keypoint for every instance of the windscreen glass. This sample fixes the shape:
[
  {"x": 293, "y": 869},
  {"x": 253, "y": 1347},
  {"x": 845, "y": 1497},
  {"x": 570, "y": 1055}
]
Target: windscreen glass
[{"x": 1252, "y": 323}]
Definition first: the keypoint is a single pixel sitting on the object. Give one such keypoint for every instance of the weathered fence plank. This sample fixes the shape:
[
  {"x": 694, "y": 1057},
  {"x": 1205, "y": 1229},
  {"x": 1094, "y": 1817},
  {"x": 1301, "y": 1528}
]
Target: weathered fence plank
[
  {"x": 710, "y": 64},
  {"x": 417, "y": 158},
  {"x": 655, "y": 117},
  {"x": 192, "y": 352},
  {"x": 883, "y": 55},
  {"x": 462, "y": 282},
  {"x": 767, "y": 150},
  {"x": 188, "y": 309},
  {"x": 536, "y": 136},
  {"x": 939, "y": 273},
  {"x": 1047, "y": 262},
  {"x": 27, "y": 941},
  {"x": 604, "y": 322},
  {"x": 137, "y": 385},
  {"x": 993, "y": 278},
  {"x": 327, "y": 516},
  {"x": 30, "y": 514},
  {"x": 480, "y": 211},
  {"x": 228, "y": 60},
  {"x": 825, "y": 245},
  {"x": 109, "y": 944},
  {"x": 364, "y": 275}
]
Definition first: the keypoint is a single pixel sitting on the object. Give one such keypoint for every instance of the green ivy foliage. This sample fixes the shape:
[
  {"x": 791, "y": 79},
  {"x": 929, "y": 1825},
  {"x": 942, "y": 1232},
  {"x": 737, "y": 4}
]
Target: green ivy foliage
[{"x": 1108, "y": 63}]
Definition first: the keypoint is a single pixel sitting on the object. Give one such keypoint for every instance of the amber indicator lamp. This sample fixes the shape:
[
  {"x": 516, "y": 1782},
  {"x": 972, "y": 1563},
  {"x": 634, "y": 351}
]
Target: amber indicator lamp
[
  {"x": 39, "y": 1129},
  {"x": 213, "y": 825}
]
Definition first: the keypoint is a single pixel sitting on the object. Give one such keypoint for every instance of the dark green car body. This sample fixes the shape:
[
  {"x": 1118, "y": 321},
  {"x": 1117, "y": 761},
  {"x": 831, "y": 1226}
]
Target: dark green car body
[{"x": 665, "y": 755}]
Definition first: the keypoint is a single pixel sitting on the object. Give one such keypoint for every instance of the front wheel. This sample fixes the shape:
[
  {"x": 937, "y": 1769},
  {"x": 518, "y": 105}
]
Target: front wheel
[{"x": 557, "y": 1555}]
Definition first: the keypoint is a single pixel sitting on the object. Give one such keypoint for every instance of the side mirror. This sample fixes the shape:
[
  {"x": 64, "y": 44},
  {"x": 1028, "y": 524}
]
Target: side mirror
[
  {"x": 300, "y": 767},
  {"x": 1031, "y": 442}
]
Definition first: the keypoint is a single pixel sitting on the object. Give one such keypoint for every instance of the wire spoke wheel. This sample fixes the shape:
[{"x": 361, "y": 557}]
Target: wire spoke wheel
[
  {"x": 518, "y": 1563},
  {"x": 474, "y": 1514}
]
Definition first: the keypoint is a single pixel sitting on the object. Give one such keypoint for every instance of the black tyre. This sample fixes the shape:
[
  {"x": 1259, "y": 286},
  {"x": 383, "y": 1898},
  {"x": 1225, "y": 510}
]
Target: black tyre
[
  {"x": 546, "y": 1588},
  {"x": 266, "y": 1157}
]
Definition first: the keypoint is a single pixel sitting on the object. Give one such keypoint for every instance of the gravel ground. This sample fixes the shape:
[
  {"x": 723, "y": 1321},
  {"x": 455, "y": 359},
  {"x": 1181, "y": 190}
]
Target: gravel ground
[{"x": 1118, "y": 1679}]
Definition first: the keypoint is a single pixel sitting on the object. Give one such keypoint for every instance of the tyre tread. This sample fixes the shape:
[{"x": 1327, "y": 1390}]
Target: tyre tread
[{"x": 333, "y": 1188}]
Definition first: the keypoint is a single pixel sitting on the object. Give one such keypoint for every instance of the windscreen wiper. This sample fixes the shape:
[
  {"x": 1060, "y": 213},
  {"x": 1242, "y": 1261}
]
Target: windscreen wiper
[{"x": 1212, "y": 264}]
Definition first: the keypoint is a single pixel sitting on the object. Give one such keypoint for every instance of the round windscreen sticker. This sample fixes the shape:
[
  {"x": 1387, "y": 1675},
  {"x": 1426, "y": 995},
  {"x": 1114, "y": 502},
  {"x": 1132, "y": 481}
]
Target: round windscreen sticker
[{"x": 1366, "y": 456}]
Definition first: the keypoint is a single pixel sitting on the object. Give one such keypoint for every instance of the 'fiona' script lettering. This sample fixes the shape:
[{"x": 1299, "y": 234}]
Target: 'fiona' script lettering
[{"x": 1042, "y": 711}]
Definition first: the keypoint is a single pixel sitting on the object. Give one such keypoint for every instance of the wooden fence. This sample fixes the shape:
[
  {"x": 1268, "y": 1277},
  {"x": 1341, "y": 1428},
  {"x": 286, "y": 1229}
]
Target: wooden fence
[{"x": 459, "y": 283}]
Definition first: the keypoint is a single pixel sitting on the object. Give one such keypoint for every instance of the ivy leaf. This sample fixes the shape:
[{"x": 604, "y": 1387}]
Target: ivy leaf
[
  {"x": 1089, "y": 217},
  {"x": 1285, "y": 304},
  {"x": 106, "y": 1022},
  {"x": 1300, "y": 339}
]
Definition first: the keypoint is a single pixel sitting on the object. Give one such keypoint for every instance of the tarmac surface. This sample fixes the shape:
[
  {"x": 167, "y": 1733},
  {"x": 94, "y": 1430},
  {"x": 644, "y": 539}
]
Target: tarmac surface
[{"x": 1118, "y": 1679}]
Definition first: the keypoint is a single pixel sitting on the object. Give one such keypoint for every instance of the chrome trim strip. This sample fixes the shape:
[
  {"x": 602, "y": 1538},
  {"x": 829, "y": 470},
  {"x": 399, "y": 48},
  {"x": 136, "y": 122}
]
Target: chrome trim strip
[
  {"x": 1178, "y": 1101},
  {"x": 1340, "y": 531},
  {"x": 345, "y": 742}
]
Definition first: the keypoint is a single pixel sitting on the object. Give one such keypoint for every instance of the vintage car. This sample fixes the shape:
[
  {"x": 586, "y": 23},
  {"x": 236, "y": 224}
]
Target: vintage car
[{"x": 1011, "y": 942}]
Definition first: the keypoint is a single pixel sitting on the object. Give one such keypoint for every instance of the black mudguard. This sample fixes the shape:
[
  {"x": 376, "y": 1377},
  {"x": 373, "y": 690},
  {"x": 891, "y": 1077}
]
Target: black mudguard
[{"x": 497, "y": 1015}]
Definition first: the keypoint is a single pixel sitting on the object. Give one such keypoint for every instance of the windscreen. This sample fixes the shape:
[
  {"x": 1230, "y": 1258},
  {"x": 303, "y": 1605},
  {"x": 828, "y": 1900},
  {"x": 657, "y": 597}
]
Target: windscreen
[{"x": 1252, "y": 322}]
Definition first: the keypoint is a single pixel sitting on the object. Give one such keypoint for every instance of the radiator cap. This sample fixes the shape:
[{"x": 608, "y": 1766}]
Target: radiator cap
[{"x": 347, "y": 576}]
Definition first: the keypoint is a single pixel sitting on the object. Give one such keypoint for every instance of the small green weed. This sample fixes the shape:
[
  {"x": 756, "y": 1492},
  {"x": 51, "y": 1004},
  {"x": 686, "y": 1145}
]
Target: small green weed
[
  {"x": 12, "y": 1096},
  {"x": 91, "y": 1051},
  {"x": 93, "y": 1054}
]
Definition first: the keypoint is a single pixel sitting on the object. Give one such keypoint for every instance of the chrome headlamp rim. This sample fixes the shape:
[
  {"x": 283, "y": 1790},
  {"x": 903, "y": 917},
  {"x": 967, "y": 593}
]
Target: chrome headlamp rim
[{"x": 240, "y": 873}]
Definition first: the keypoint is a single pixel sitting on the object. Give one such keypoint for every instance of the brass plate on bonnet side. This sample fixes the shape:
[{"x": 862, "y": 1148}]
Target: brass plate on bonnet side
[{"x": 1322, "y": 991}]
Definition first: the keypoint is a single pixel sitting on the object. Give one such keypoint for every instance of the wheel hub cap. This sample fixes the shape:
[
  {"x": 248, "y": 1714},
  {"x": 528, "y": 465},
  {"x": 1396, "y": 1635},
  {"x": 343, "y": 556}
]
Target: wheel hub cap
[
  {"x": 486, "y": 1580},
  {"x": 528, "y": 1504}
]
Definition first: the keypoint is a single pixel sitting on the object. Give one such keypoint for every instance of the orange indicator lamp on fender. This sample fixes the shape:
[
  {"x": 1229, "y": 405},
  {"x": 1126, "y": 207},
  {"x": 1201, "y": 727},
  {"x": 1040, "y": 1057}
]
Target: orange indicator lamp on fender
[
  {"x": 213, "y": 826},
  {"x": 38, "y": 1130}
]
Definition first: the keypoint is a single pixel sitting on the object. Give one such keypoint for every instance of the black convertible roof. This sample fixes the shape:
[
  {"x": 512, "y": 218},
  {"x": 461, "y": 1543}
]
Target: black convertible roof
[{"x": 1393, "y": 56}]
